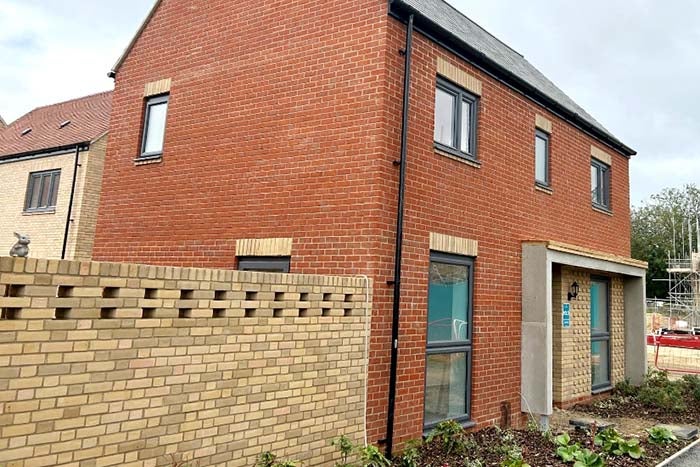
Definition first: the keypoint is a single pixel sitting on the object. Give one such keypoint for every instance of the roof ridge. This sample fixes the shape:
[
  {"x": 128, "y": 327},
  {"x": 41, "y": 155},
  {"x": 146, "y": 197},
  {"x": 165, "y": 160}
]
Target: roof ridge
[
  {"x": 481, "y": 27},
  {"x": 69, "y": 100}
]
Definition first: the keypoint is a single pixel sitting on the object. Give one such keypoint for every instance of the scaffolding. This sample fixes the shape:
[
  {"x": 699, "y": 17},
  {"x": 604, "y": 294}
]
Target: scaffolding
[{"x": 684, "y": 279}]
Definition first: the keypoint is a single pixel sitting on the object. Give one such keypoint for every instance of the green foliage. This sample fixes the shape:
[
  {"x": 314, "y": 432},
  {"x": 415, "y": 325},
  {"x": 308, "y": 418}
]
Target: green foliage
[
  {"x": 612, "y": 443},
  {"x": 659, "y": 391},
  {"x": 473, "y": 463},
  {"x": 568, "y": 453},
  {"x": 661, "y": 435},
  {"x": 588, "y": 458},
  {"x": 691, "y": 384},
  {"x": 563, "y": 439},
  {"x": 345, "y": 446},
  {"x": 514, "y": 459},
  {"x": 371, "y": 456},
  {"x": 626, "y": 389},
  {"x": 266, "y": 459},
  {"x": 653, "y": 224},
  {"x": 410, "y": 455},
  {"x": 450, "y": 434}
]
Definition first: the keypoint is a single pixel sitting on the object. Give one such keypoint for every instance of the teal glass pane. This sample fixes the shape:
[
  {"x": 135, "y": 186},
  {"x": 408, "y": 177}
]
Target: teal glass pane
[
  {"x": 599, "y": 307},
  {"x": 445, "y": 386},
  {"x": 447, "y": 302}
]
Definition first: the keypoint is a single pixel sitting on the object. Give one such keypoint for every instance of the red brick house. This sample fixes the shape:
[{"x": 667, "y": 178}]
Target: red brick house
[{"x": 269, "y": 135}]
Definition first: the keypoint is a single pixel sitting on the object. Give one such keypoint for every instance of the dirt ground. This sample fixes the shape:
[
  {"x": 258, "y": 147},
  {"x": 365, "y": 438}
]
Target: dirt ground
[{"x": 559, "y": 421}]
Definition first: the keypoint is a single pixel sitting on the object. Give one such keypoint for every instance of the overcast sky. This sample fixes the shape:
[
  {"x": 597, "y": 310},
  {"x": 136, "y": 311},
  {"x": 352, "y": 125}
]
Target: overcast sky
[{"x": 632, "y": 64}]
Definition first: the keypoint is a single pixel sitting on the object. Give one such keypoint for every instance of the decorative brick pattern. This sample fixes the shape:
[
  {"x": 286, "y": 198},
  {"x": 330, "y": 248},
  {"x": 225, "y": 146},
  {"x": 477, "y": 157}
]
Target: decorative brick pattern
[
  {"x": 157, "y": 87},
  {"x": 224, "y": 366},
  {"x": 601, "y": 155},
  {"x": 543, "y": 123},
  {"x": 458, "y": 76},
  {"x": 572, "y": 346},
  {"x": 264, "y": 247},
  {"x": 449, "y": 244}
]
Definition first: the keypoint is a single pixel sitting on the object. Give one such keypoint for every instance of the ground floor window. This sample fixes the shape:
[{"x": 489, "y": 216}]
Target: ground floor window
[
  {"x": 264, "y": 263},
  {"x": 449, "y": 341}
]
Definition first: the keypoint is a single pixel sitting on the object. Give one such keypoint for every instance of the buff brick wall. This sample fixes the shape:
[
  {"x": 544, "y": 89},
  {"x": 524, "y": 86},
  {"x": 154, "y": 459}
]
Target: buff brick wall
[
  {"x": 46, "y": 229},
  {"x": 572, "y": 346},
  {"x": 229, "y": 364}
]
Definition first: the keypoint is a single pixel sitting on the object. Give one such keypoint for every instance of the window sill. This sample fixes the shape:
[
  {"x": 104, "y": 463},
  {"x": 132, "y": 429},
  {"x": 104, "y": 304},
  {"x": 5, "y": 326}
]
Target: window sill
[
  {"x": 544, "y": 189},
  {"x": 463, "y": 159},
  {"x": 602, "y": 210},
  {"x": 602, "y": 389},
  {"x": 39, "y": 212},
  {"x": 466, "y": 424},
  {"x": 146, "y": 160}
]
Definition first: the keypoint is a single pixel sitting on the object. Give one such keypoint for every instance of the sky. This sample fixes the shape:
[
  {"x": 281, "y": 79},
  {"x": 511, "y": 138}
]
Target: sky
[{"x": 632, "y": 64}]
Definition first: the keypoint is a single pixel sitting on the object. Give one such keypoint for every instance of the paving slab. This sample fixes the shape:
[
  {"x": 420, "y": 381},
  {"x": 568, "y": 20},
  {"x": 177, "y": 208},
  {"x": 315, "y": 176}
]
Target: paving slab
[
  {"x": 684, "y": 432},
  {"x": 584, "y": 423}
]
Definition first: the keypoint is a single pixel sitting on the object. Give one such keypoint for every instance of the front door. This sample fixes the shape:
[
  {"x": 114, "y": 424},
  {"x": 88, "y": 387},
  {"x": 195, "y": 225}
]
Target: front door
[{"x": 600, "y": 333}]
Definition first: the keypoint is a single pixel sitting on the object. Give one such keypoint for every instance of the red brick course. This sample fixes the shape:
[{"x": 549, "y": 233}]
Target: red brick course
[{"x": 284, "y": 121}]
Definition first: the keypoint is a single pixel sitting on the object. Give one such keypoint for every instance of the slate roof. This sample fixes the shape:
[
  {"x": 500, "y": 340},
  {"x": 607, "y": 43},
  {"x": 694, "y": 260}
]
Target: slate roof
[
  {"x": 444, "y": 18},
  {"x": 88, "y": 116}
]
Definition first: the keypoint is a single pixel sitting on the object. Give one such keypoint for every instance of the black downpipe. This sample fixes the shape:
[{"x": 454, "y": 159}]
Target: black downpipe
[
  {"x": 399, "y": 241},
  {"x": 70, "y": 201}
]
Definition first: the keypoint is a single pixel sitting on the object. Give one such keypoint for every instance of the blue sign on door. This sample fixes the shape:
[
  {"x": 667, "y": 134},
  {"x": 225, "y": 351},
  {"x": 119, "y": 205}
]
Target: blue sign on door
[{"x": 566, "y": 315}]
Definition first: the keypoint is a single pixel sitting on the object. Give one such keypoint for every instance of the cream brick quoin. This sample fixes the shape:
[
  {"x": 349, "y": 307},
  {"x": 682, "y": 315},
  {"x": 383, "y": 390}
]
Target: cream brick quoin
[
  {"x": 126, "y": 364},
  {"x": 46, "y": 229}
]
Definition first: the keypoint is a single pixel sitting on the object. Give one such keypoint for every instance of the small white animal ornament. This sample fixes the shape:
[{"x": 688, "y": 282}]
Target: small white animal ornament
[{"x": 21, "y": 248}]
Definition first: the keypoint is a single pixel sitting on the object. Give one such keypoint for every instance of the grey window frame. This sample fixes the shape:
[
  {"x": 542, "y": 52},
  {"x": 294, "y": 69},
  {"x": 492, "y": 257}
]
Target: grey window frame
[
  {"x": 604, "y": 336},
  {"x": 264, "y": 263},
  {"x": 461, "y": 95},
  {"x": 603, "y": 179},
  {"x": 463, "y": 346},
  {"x": 544, "y": 136},
  {"x": 150, "y": 102},
  {"x": 55, "y": 175}
]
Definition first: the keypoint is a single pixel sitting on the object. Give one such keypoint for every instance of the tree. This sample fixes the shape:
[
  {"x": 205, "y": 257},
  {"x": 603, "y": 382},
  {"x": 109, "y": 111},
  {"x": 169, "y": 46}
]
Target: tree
[{"x": 653, "y": 226}]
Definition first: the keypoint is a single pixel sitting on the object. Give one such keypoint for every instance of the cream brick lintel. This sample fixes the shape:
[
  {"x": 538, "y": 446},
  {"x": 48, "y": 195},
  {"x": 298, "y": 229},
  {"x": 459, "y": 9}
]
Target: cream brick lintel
[
  {"x": 264, "y": 247},
  {"x": 460, "y": 77},
  {"x": 601, "y": 155},
  {"x": 449, "y": 244},
  {"x": 157, "y": 87},
  {"x": 543, "y": 123}
]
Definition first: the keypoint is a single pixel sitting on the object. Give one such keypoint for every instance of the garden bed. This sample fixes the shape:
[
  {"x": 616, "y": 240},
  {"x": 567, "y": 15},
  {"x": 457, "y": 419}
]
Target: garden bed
[{"x": 504, "y": 448}]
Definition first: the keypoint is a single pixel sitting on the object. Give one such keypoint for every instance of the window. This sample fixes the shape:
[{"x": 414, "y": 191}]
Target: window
[
  {"x": 541, "y": 158},
  {"x": 600, "y": 334},
  {"x": 42, "y": 191},
  {"x": 600, "y": 184},
  {"x": 449, "y": 342},
  {"x": 455, "y": 120},
  {"x": 154, "y": 126},
  {"x": 264, "y": 263}
]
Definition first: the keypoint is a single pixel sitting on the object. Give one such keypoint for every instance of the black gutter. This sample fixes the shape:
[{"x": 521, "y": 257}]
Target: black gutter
[
  {"x": 399, "y": 241},
  {"x": 47, "y": 152},
  {"x": 459, "y": 47},
  {"x": 70, "y": 201}
]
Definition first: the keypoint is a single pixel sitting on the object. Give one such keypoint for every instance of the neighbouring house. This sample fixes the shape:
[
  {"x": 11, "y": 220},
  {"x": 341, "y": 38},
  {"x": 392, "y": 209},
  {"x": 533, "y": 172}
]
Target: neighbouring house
[
  {"x": 51, "y": 162},
  {"x": 270, "y": 136}
]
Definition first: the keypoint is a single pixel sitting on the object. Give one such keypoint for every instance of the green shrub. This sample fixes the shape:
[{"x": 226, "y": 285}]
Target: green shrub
[
  {"x": 345, "y": 446},
  {"x": 667, "y": 397},
  {"x": 266, "y": 459},
  {"x": 450, "y": 434},
  {"x": 626, "y": 389},
  {"x": 410, "y": 455},
  {"x": 588, "y": 458},
  {"x": 514, "y": 459},
  {"x": 661, "y": 435},
  {"x": 612, "y": 443},
  {"x": 371, "y": 456}
]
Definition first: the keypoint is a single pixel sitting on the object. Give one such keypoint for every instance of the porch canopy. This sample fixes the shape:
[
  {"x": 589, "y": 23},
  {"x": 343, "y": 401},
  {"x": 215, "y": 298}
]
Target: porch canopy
[{"x": 537, "y": 315}]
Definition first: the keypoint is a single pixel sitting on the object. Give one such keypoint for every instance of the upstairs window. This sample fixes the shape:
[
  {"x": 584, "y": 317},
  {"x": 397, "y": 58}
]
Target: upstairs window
[
  {"x": 600, "y": 184},
  {"x": 455, "y": 120},
  {"x": 42, "y": 191},
  {"x": 541, "y": 158},
  {"x": 154, "y": 126}
]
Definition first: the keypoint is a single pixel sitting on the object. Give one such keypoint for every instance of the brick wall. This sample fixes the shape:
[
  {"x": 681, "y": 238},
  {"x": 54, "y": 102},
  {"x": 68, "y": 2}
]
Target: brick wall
[
  {"x": 308, "y": 155},
  {"x": 572, "y": 346},
  {"x": 46, "y": 229},
  {"x": 120, "y": 364}
]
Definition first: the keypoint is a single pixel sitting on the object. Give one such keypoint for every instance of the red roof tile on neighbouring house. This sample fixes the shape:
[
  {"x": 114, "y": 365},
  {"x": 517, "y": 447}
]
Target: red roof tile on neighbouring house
[{"x": 58, "y": 125}]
